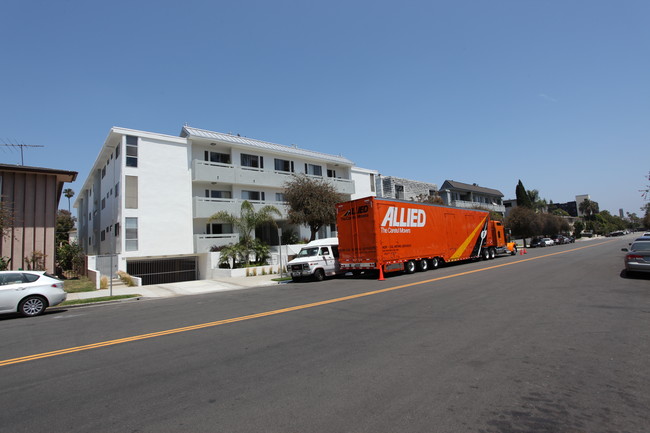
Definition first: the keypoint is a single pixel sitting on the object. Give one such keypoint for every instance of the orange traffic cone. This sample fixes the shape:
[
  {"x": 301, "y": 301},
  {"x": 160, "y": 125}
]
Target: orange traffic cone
[
  {"x": 521, "y": 252},
  {"x": 525, "y": 252},
  {"x": 381, "y": 273}
]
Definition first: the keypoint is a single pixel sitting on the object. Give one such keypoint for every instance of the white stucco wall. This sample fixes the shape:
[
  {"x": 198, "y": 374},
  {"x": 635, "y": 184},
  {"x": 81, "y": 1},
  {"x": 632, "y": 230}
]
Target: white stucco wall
[{"x": 364, "y": 182}]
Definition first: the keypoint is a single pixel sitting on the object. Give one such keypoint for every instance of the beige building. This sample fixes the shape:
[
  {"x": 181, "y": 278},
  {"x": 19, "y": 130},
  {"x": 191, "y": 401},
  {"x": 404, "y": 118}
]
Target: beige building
[{"x": 32, "y": 195}]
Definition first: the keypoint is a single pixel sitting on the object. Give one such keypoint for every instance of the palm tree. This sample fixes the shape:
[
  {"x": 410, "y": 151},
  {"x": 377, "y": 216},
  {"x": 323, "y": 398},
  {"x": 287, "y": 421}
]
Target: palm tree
[
  {"x": 247, "y": 221},
  {"x": 69, "y": 193},
  {"x": 588, "y": 207}
]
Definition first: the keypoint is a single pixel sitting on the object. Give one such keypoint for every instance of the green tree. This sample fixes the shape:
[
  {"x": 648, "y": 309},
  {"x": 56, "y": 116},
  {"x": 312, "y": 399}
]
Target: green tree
[
  {"x": 524, "y": 222},
  {"x": 69, "y": 193},
  {"x": 6, "y": 218},
  {"x": 537, "y": 203},
  {"x": 646, "y": 215},
  {"x": 64, "y": 224},
  {"x": 578, "y": 227},
  {"x": 312, "y": 202},
  {"x": 523, "y": 199},
  {"x": 588, "y": 207},
  {"x": 246, "y": 222},
  {"x": 70, "y": 257}
]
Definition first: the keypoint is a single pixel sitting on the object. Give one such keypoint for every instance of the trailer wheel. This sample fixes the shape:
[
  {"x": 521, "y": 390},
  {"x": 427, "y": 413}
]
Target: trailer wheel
[
  {"x": 435, "y": 263},
  {"x": 409, "y": 267},
  {"x": 485, "y": 254},
  {"x": 423, "y": 265},
  {"x": 493, "y": 253}
]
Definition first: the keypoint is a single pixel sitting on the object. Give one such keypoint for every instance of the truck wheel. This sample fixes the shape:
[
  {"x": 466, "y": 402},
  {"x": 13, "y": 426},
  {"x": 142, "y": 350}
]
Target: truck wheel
[
  {"x": 485, "y": 254},
  {"x": 514, "y": 251},
  {"x": 435, "y": 263},
  {"x": 319, "y": 275},
  {"x": 409, "y": 267},
  {"x": 493, "y": 253},
  {"x": 423, "y": 265}
]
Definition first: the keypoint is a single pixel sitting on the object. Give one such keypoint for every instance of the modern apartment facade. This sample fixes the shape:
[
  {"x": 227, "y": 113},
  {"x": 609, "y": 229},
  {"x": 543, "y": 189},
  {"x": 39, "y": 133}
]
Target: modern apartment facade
[
  {"x": 403, "y": 189},
  {"x": 150, "y": 196}
]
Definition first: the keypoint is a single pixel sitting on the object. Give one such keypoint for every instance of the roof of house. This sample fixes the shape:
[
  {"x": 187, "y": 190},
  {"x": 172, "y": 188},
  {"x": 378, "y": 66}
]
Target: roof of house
[
  {"x": 190, "y": 132},
  {"x": 452, "y": 184},
  {"x": 63, "y": 175}
]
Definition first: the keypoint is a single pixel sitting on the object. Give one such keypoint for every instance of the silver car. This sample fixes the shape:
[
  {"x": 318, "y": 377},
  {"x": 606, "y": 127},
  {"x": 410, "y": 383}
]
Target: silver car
[
  {"x": 29, "y": 292},
  {"x": 637, "y": 258}
]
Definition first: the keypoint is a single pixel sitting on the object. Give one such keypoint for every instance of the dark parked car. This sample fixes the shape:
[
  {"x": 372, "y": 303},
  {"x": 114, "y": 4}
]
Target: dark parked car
[{"x": 537, "y": 242}]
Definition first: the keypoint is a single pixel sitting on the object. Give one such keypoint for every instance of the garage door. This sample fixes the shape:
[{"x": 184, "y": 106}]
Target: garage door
[{"x": 160, "y": 271}]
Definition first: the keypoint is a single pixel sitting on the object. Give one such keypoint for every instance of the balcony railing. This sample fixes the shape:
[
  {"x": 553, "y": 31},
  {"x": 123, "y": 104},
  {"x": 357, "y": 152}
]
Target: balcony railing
[
  {"x": 474, "y": 204},
  {"x": 206, "y": 171},
  {"x": 206, "y": 207},
  {"x": 203, "y": 243}
]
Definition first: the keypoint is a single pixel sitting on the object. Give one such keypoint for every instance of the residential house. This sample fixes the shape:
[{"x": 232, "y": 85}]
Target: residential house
[
  {"x": 464, "y": 195},
  {"x": 30, "y": 195},
  {"x": 403, "y": 189}
]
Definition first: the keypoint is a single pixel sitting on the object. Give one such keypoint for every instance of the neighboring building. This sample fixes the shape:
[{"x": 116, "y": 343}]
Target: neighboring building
[
  {"x": 33, "y": 194},
  {"x": 364, "y": 182},
  {"x": 580, "y": 199},
  {"x": 509, "y": 205},
  {"x": 403, "y": 189},
  {"x": 464, "y": 195},
  {"x": 149, "y": 196},
  {"x": 569, "y": 207}
]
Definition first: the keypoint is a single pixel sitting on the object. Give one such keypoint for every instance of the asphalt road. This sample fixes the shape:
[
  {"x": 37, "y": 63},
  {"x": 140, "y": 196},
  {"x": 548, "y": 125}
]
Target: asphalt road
[{"x": 552, "y": 341}]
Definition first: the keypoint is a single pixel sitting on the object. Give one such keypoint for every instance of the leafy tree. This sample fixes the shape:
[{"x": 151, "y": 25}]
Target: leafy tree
[
  {"x": 524, "y": 222},
  {"x": 559, "y": 212},
  {"x": 312, "y": 202},
  {"x": 70, "y": 257},
  {"x": 246, "y": 222},
  {"x": 523, "y": 199},
  {"x": 578, "y": 227},
  {"x": 69, "y": 193},
  {"x": 64, "y": 223}
]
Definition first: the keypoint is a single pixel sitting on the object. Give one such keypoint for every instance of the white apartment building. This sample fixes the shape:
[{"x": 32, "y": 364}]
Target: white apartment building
[{"x": 149, "y": 197}]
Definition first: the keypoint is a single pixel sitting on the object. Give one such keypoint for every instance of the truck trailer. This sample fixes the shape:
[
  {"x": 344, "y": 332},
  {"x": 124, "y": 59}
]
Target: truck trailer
[{"x": 395, "y": 235}]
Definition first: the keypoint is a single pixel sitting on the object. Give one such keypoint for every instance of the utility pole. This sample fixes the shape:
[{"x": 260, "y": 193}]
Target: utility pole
[{"x": 21, "y": 147}]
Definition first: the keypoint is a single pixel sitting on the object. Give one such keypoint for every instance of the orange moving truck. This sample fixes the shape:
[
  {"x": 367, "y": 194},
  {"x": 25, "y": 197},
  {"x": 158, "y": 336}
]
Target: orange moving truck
[{"x": 396, "y": 235}]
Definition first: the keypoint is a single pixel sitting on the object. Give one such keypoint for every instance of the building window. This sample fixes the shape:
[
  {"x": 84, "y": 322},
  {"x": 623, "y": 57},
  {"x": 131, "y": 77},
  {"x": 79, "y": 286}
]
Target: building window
[
  {"x": 372, "y": 182},
  {"x": 283, "y": 165},
  {"x": 253, "y": 161},
  {"x": 103, "y": 172},
  {"x": 211, "y": 193},
  {"x": 131, "y": 235},
  {"x": 221, "y": 158},
  {"x": 331, "y": 173},
  {"x": 117, "y": 189},
  {"x": 399, "y": 192},
  {"x": 279, "y": 196},
  {"x": 131, "y": 151},
  {"x": 218, "y": 229},
  {"x": 131, "y": 192},
  {"x": 117, "y": 150},
  {"x": 117, "y": 229},
  {"x": 103, "y": 203},
  {"x": 314, "y": 170},
  {"x": 253, "y": 195},
  {"x": 103, "y": 236}
]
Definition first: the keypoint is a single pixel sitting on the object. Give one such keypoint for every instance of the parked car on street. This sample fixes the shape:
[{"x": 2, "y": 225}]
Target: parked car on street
[
  {"x": 637, "y": 258},
  {"x": 536, "y": 242},
  {"x": 560, "y": 239},
  {"x": 29, "y": 293}
]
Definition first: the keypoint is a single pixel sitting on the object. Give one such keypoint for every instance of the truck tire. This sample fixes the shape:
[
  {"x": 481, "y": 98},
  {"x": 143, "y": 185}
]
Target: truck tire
[
  {"x": 435, "y": 263},
  {"x": 493, "y": 253},
  {"x": 319, "y": 275},
  {"x": 485, "y": 254},
  {"x": 423, "y": 265},
  {"x": 409, "y": 267}
]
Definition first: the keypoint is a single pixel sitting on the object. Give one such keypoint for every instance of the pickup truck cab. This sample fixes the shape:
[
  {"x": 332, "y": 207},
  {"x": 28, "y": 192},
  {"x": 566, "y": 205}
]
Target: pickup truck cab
[{"x": 317, "y": 259}]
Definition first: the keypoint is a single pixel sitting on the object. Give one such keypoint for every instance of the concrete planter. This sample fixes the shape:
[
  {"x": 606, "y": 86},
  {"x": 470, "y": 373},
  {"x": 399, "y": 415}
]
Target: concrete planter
[{"x": 245, "y": 272}]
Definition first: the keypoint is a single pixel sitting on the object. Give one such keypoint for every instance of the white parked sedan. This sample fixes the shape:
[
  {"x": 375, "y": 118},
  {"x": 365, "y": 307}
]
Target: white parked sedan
[{"x": 29, "y": 292}]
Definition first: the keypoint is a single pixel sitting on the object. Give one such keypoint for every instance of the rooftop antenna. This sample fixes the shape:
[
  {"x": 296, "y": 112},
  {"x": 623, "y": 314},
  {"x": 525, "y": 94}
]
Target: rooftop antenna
[{"x": 21, "y": 147}]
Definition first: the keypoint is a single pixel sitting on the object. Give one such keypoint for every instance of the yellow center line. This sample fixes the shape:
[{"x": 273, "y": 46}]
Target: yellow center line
[{"x": 264, "y": 314}]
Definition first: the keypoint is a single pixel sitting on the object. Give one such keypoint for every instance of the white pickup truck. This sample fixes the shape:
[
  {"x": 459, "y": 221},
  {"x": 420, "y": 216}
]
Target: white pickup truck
[{"x": 317, "y": 259}]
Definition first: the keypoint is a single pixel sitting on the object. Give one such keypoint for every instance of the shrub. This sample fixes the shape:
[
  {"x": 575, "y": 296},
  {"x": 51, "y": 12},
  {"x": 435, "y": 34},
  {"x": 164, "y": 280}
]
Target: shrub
[
  {"x": 126, "y": 278},
  {"x": 103, "y": 282}
]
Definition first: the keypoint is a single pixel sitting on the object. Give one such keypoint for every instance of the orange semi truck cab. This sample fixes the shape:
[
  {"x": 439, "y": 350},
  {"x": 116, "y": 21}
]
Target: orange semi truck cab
[{"x": 395, "y": 235}]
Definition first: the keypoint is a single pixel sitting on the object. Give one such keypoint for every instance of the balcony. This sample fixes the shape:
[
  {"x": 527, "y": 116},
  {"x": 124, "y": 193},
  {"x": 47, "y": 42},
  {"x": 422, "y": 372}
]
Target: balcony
[
  {"x": 204, "y": 207},
  {"x": 204, "y": 171},
  {"x": 474, "y": 204},
  {"x": 203, "y": 243}
]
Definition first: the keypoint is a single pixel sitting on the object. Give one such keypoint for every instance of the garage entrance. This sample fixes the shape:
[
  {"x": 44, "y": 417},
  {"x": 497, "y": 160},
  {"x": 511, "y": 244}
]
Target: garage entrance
[{"x": 161, "y": 271}]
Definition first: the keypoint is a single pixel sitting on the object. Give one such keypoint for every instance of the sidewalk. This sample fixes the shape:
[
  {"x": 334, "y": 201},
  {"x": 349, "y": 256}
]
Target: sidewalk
[{"x": 180, "y": 289}]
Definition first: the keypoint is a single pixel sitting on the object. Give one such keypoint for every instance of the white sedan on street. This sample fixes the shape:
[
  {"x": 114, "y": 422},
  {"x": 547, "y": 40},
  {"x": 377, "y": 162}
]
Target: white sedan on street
[{"x": 29, "y": 292}]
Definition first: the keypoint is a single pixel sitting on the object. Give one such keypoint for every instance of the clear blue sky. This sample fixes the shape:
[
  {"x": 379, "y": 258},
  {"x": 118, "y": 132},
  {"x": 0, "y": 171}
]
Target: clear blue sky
[{"x": 555, "y": 93}]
